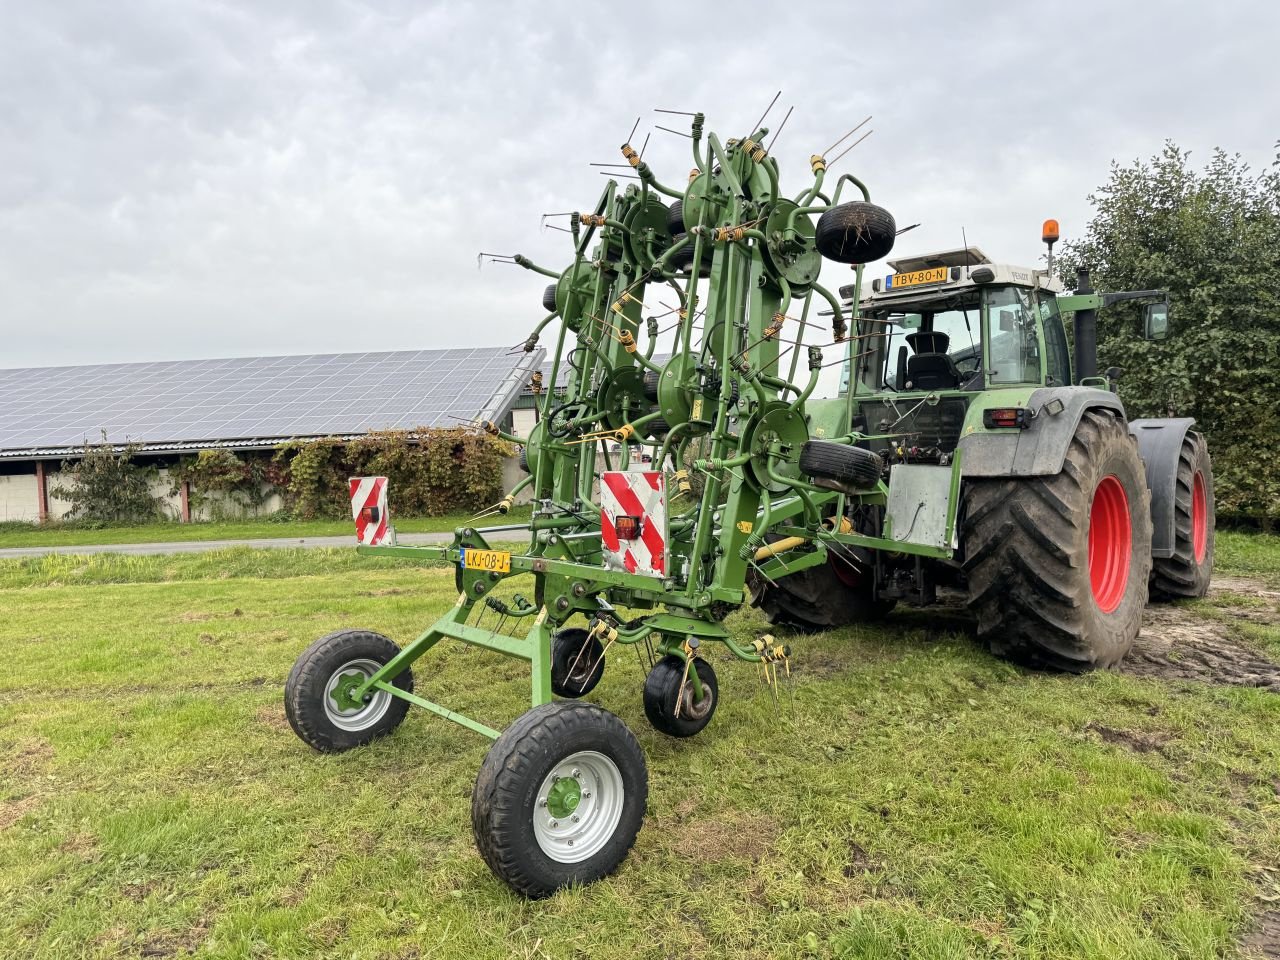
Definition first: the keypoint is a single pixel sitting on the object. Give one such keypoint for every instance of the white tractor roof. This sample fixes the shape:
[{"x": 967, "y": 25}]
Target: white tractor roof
[{"x": 966, "y": 256}]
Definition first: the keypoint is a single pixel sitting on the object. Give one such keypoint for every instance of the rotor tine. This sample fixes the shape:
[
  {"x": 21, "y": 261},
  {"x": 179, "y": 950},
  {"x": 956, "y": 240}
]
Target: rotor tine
[
  {"x": 751, "y": 132},
  {"x": 633, "y": 131},
  {"x": 845, "y": 137},
  {"x": 831, "y": 163}
]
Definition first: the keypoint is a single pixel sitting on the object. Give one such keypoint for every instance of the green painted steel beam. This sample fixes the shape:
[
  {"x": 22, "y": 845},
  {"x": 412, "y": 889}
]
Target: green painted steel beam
[{"x": 458, "y": 718}]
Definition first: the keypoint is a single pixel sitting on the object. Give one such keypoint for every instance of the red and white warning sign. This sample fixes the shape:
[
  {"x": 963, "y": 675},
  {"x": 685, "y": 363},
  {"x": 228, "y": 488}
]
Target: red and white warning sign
[
  {"x": 369, "y": 510},
  {"x": 633, "y": 523}
]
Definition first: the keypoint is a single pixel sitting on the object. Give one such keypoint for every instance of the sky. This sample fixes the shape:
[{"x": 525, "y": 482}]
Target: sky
[{"x": 184, "y": 179}]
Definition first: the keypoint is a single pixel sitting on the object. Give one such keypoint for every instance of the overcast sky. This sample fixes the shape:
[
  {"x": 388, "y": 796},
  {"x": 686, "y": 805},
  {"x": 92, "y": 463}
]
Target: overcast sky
[{"x": 199, "y": 179}]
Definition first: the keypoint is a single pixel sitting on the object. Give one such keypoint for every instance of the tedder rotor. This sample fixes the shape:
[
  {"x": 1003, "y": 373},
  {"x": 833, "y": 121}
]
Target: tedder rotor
[{"x": 561, "y": 794}]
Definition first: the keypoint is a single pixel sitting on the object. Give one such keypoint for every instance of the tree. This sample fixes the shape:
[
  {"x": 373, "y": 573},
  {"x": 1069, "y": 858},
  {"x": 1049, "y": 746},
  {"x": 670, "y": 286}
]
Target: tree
[
  {"x": 1211, "y": 238},
  {"x": 108, "y": 487}
]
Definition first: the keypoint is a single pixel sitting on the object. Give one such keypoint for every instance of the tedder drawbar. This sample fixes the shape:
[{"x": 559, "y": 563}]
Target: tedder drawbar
[{"x": 964, "y": 451}]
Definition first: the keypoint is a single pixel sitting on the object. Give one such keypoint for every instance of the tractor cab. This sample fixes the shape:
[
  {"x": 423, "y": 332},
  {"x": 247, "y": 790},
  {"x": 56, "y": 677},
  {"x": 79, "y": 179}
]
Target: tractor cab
[{"x": 946, "y": 326}]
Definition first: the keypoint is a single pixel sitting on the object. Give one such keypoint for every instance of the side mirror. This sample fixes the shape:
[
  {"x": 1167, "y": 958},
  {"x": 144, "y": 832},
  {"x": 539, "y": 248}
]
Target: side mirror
[
  {"x": 911, "y": 321},
  {"x": 1155, "y": 322}
]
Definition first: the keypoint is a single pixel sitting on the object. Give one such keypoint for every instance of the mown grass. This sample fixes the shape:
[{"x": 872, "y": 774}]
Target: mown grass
[
  {"x": 30, "y": 535},
  {"x": 907, "y": 796}
]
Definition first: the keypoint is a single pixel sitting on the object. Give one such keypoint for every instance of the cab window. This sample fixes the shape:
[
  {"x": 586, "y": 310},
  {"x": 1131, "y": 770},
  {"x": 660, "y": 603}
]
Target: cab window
[
  {"x": 1013, "y": 349},
  {"x": 1057, "y": 356}
]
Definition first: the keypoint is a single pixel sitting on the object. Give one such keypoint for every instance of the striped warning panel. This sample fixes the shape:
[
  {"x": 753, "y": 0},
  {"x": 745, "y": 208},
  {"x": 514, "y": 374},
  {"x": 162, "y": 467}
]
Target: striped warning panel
[
  {"x": 633, "y": 523},
  {"x": 369, "y": 510}
]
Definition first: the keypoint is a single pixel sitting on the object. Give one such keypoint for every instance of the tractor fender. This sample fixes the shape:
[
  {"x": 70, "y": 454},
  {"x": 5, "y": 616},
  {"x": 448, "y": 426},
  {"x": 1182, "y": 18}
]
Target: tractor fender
[
  {"x": 1041, "y": 448},
  {"x": 1160, "y": 446}
]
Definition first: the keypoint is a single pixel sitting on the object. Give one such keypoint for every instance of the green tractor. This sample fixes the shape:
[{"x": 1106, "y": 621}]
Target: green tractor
[
  {"x": 1012, "y": 471},
  {"x": 680, "y": 456}
]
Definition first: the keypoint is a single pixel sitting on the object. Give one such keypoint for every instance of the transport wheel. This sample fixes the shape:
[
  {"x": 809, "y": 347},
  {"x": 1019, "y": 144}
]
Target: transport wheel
[
  {"x": 576, "y": 662},
  {"x": 675, "y": 219},
  {"x": 682, "y": 259},
  {"x": 559, "y": 798},
  {"x": 1058, "y": 566},
  {"x": 856, "y": 232},
  {"x": 317, "y": 697},
  {"x": 662, "y": 693},
  {"x": 849, "y": 467},
  {"x": 1187, "y": 572},
  {"x": 549, "y": 298},
  {"x": 834, "y": 594}
]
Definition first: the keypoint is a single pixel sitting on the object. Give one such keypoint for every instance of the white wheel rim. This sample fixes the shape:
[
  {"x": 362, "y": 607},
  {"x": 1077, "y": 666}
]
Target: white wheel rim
[
  {"x": 355, "y": 719},
  {"x": 582, "y": 833}
]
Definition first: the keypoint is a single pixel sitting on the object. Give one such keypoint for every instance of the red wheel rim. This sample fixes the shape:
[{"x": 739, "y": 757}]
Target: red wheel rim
[
  {"x": 845, "y": 572},
  {"x": 1110, "y": 543},
  {"x": 1199, "y": 517}
]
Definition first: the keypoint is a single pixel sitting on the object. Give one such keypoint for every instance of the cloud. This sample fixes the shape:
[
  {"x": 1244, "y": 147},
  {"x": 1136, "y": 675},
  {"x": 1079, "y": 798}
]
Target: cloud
[{"x": 212, "y": 179}]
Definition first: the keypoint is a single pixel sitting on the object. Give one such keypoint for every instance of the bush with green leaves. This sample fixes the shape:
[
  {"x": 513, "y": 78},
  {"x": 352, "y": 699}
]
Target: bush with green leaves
[
  {"x": 107, "y": 486},
  {"x": 1210, "y": 237}
]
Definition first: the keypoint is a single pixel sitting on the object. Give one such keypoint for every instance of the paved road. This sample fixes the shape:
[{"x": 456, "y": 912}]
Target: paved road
[{"x": 199, "y": 546}]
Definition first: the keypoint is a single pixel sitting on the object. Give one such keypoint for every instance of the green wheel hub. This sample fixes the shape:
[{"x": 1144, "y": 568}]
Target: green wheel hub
[
  {"x": 564, "y": 797},
  {"x": 342, "y": 691}
]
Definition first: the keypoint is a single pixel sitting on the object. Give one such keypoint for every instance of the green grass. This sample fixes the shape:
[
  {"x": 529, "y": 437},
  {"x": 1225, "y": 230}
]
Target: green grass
[
  {"x": 909, "y": 796},
  {"x": 30, "y": 535}
]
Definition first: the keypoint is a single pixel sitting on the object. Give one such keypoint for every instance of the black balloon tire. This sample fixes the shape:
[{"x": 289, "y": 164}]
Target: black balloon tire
[
  {"x": 662, "y": 688},
  {"x": 574, "y": 676}
]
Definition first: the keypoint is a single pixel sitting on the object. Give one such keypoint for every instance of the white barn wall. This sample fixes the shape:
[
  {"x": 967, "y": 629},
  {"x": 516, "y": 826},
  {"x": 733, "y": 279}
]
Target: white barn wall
[{"x": 18, "y": 497}]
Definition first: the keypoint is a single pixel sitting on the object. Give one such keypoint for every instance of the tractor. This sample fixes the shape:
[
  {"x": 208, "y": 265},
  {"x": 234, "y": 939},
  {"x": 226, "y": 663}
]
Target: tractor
[
  {"x": 686, "y": 459},
  {"x": 1014, "y": 474}
]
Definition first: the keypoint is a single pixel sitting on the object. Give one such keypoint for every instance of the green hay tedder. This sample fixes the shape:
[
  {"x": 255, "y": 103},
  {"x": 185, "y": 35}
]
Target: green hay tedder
[{"x": 967, "y": 448}]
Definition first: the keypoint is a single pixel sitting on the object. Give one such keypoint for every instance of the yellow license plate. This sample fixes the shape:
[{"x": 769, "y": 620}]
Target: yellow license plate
[
  {"x": 917, "y": 278},
  {"x": 491, "y": 561}
]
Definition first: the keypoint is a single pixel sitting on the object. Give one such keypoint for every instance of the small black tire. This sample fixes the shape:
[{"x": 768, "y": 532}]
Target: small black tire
[
  {"x": 1187, "y": 573},
  {"x": 662, "y": 693},
  {"x": 524, "y": 459},
  {"x": 851, "y": 467},
  {"x": 675, "y": 219},
  {"x": 682, "y": 260},
  {"x": 543, "y": 747},
  {"x": 577, "y": 663},
  {"x": 651, "y": 380},
  {"x": 823, "y": 597},
  {"x": 857, "y": 232},
  {"x": 549, "y": 298},
  {"x": 658, "y": 428},
  {"x": 313, "y": 688}
]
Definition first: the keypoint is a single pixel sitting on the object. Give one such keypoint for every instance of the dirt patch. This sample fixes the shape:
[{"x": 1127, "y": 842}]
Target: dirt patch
[
  {"x": 273, "y": 717},
  {"x": 1139, "y": 741},
  {"x": 386, "y": 592},
  {"x": 11, "y": 811},
  {"x": 1264, "y": 939},
  {"x": 31, "y": 756},
  {"x": 1177, "y": 643},
  {"x": 860, "y": 862},
  {"x": 747, "y": 837}
]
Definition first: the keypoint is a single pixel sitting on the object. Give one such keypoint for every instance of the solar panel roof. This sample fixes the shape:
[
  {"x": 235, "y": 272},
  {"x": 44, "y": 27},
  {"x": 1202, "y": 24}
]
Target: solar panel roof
[{"x": 255, "y": 399}]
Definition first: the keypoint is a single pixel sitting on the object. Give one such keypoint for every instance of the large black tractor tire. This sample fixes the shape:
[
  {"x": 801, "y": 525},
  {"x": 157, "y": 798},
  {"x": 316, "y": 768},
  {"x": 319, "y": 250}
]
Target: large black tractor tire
[
  {"x": 1187, "y": 572},
  {"x": 675, "y": 219},
  {"x": 857, "y": 232},
  {"x": 830, "y": 595},
  {"x": 673, "y": 710},
  {"x": 313, "y": 692},
  {"x": 576, "y": 663},
  {"x": 1057, "y": 566},
  {"x": 850, "y": 467},
  {"x": 549, "y": 298},
  {"x": 560, "y": 798}
]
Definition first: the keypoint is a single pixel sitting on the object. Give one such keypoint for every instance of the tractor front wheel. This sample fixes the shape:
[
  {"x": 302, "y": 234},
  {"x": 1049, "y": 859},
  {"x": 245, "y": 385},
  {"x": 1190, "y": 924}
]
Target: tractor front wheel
[
  {"x": 318, "y": 695},
  {"x": 1058, "y": 565},
  {"x": 1187, "y": 572},
  {"x": 560, "y": 798}
]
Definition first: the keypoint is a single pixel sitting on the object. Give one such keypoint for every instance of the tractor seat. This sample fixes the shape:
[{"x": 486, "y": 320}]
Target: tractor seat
[{"x": 931, "y": 367}]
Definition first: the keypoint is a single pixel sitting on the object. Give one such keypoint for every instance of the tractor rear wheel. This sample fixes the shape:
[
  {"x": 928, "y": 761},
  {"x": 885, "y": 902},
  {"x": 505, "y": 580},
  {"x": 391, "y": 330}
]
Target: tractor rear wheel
[
  {"x": 559, "y": 798},
  {"x": 317, "y": 694},
  {"x": 1058, "y": 565},
  {"x": 830, "y": 595},
  {"x": 1187, "y": 572}
]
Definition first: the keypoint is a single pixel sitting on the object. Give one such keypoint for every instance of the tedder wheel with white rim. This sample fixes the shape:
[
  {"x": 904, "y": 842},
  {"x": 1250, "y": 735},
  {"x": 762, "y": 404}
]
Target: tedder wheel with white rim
[
  {"x": 670, "y": 702},
  {"x": 1058, "y": 565},
  {"x": 559, "y": 798},
  {"x": 318, "y": 694},
  {"x": 1187, "y": 572},
  {"x": 577, "y": 662}
]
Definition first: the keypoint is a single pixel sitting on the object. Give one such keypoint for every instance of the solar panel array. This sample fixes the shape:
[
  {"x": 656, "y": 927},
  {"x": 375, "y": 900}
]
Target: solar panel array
[{"x": 251, "y": 398}]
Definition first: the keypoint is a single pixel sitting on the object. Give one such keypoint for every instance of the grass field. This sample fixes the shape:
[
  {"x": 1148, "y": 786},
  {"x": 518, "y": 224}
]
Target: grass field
[
  {"x": 29, "y": 535},
  {"x": 909, "y": 796}
]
